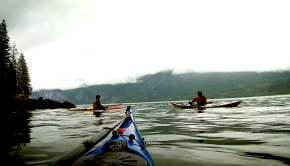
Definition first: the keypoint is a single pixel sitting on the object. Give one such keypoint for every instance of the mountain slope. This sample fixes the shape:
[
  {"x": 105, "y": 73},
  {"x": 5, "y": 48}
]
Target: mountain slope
[{"x": 165, "y": 86}]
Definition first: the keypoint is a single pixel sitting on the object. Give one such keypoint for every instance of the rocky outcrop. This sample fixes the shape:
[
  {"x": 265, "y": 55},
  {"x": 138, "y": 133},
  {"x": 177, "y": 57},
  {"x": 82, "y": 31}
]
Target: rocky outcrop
[
  {"x": 40, "y": 103},
  {"x": 66, "y": 104}
]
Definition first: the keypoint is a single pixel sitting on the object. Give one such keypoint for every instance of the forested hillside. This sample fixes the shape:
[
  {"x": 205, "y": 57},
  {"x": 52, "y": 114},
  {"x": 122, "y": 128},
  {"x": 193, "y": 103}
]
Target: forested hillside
[
  {"x": 14, "y": 74},
  {"x": 165, "y": 86}
]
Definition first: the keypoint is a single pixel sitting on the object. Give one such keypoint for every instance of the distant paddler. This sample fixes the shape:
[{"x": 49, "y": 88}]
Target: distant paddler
[
  {"x": 200, "y": 99},
  {"x": 97, "y": 103}
]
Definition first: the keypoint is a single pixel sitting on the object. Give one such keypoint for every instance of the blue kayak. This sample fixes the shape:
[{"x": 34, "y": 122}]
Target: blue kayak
[{"x": 122, "y": 146}]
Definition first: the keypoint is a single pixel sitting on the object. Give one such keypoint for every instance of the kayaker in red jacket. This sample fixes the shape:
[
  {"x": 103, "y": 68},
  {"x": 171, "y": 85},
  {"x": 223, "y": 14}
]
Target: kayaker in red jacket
[
  {"x": 97, "y": 103},
  {"x": 200, "y": 99}
]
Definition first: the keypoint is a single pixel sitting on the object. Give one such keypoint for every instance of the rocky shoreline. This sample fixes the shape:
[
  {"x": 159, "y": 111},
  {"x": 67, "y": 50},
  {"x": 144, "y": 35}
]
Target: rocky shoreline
[{"x": 40, "y": 103}]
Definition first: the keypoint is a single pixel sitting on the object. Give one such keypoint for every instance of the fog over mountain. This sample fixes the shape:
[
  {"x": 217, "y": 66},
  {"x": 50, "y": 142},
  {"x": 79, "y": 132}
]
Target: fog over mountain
[
  {"x": 165, "y": 86},
  {"x": 72, "y": 43}
]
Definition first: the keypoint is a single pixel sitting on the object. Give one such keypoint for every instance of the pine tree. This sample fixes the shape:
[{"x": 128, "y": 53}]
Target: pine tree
[
  {"x": 2, "y": 56},
  {"x": 4, "y": 60},
  {"x": 14, "y": 76},
  {"x": 14, "y": 70},
  {"x": 14, "y": 54},
  {"x": 24, "y": 78}
]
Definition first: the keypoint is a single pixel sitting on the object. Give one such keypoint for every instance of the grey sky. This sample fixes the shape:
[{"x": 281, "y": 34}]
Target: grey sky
[{"x": 68, "y": 43}]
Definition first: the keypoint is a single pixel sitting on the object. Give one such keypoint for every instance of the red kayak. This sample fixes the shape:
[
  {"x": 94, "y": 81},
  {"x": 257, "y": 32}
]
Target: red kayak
[
  {"x": 233, "y": 104},
  {"x": 113, "y": 107}
]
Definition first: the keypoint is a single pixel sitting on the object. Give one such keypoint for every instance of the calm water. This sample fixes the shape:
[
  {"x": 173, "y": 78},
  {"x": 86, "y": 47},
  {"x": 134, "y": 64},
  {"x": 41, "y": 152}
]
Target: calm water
[{"x": 255, "y": 133}]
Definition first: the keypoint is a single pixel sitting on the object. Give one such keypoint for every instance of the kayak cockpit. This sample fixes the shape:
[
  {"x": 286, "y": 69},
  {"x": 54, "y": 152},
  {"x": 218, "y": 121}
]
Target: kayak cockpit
[
  {"x": 117, "y": 151},
  {"x": 123, "y": 146},
  {"x": 120, "y": 145},
  {"x": 113, "y": 158}
]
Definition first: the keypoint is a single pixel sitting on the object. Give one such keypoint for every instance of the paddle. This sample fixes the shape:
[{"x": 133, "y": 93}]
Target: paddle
[
  {"x": 107, "y": 106},
  {"x": 208, "y": 102},
  {"x": 114, "y": 105},
  {"x": 190, "y": 103}
]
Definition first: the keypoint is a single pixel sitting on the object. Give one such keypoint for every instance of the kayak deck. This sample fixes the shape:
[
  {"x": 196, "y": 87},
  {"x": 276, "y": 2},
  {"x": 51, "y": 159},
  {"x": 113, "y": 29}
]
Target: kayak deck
[
  {"x": 232, "y": 104},
  {"x": 120, "y": 145}
]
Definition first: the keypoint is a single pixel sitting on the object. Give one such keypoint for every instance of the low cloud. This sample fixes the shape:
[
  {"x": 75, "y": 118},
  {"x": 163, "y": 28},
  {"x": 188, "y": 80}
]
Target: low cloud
[{"x": 102, "y": 42}]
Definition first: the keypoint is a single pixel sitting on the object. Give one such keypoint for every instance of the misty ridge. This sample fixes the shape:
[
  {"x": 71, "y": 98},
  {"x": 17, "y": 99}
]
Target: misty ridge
[{"x": 166, "y": 86}]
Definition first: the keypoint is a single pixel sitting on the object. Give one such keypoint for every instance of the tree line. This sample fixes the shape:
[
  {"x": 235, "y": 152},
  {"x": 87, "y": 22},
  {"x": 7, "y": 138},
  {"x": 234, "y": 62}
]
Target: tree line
[
  {"x": 166, "y": 86},
  {"x": 15, "y": 79}
]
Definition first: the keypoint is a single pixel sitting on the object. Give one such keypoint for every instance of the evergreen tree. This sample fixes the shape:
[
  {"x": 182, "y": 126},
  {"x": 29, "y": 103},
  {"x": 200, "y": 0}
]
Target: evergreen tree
[
  {"x": 4, "y": 60},
  {"x": 14, "y": 70},
  {"x": 14, "y": 54},
  {"x": 24, "y": 78},
  {"x": 2, "y": 56},
  {"x": 14, "y": 76}
]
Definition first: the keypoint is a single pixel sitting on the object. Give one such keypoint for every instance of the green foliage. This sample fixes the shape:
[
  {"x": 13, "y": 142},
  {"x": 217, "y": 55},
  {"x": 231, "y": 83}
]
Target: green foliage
[
  {"x": 24, "y": 78},
  {"x": 5, "y": 62},
  {"x": 14, "y": 76},
  {"x": 14, "y": 70}
]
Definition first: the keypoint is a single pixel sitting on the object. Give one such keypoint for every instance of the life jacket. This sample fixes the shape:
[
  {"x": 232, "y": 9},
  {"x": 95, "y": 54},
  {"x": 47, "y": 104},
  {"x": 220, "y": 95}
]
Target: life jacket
[
  {"x": 98, "y": 105},
  {"x": 201, "y": 102}
]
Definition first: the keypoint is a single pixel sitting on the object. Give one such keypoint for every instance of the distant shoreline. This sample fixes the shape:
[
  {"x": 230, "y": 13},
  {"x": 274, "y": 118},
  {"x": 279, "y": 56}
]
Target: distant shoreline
[
  {"x": 189, "y": 99},
  {"x": 166, "y": 86}
]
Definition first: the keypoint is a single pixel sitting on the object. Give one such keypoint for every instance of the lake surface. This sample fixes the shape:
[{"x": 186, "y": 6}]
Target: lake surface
[{"x": 257, "y": 132}]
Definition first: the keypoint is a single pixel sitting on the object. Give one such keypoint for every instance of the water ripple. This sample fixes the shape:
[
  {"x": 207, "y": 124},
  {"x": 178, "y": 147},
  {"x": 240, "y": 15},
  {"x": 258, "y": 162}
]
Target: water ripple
[{"x": 255, "y": 133}]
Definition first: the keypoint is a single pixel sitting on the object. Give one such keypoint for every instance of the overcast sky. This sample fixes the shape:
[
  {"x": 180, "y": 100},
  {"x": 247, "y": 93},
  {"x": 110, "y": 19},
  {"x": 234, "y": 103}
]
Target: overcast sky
[{"x": 68, "y": 43}]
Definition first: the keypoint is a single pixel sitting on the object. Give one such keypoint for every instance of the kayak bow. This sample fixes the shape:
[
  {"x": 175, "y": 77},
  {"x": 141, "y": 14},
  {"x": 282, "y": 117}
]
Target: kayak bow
[{"x": 120, "y": 145}]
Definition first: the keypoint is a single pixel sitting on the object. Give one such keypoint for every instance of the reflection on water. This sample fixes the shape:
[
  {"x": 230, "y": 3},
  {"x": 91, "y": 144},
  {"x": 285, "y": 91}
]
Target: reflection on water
[
  {"x": 255, "y": 133},
  {"x": 16, "y": 135}
]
